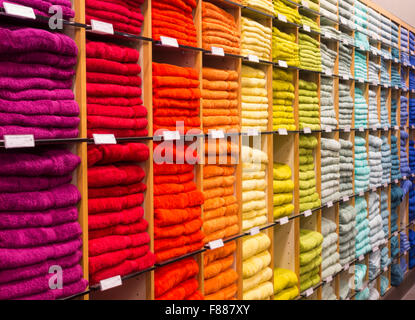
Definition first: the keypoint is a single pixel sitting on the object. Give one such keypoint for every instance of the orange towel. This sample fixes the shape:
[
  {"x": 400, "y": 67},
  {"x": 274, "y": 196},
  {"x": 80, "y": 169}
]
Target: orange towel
[
  {"x": 168, "y": 217},
  {"x": 215, "y": 182},
  {"x": 213, "y": 74},
  {"x": 220, "y": 253},
  {"x": 220, "y": 112},
  {"x": 217, "y": 266},
  {"x": 218, "y": 192},
  {"x": 215, "y": 94},
  {"x": 224, "y": 294},
  {"x": 220, "y": 85},
  {"x": 222, "y": 211},
  {"x": 219, "y": 104},
  {"x": 177, "y": 230},
  {"x": 220, "y": 225},
  {"x": 222, "y": 280}
]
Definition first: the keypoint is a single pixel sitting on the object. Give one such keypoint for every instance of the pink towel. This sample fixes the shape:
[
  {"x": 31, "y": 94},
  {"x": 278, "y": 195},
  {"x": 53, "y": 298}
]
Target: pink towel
[{"x": 27, "y": 184}]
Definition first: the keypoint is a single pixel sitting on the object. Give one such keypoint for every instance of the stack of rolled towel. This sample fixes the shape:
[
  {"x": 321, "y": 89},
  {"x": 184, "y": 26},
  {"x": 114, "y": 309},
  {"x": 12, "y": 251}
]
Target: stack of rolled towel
[
  {"x": 384, "y": 113},
  {"x": 345, "y": 105},
  {"x": 404, "y": 74},
  {"x": 396, "y": 199},
  {"x": 404, "y": 111},
  {"x": 126, "y": 16},
  {"x": 384, "y": 73},
  {"x": 331, "y": 258},
  {"x": 174, "y": 20},
  {"x": 220, "y": 100},
  {"x": 283, "y": 190},
  {"x": 327, "y": 114},
  {"x": 254, "y": 186},
  {"x": 285, "y": 284},
  {"x": 373, "y": 109},
  {"x": 404, "y": 247},
  {"x": 286, "y": 8},
  {"x": 257, "y": 274},
  {"x": 330, "y": 170},
  {"x": 311, "y": 22},
  {"x": 328, "y": 8},
  {"x": 384, "y": 212},
  {"x": 328, "y": 58},
  {"x": 412, "y": 155},
  {"x": 385, "y": 261},
  {"x": 347, "y": 233},
  {"x": 310, "y": 258},
  {"x": 282, "y": 100},
  {"x": 285, "y": 48},
  {"x": 310, "y": 55},
  {"x": 375, "y": 221},
  {"x": 412, "y": 111},
  {"x": 360, "y": 66},
  {"x": 375, "y": 161},
  {"x": 37, "y": 79},
  {"x": 256, "y": 39},
  {"x": 219, "y": 29},
  {"x": 405, "y": 170},
  {"x": 394, "y": 107},
  {"x": 346, "y": 168},
  {"x": 39, "y": 225},
  {"x": 361, "y": 109},
  {"x": 362, "y": 227},
  {"x": 176, "y": 98},
  {"x": 262, "y": 5},
  {"x": 395, "y": 170},
  {"x": 254, "y": 97},
  {"x": 361, "y": 169},
  {"x": 309, "y": 115},
  {"x": 374, "y": 264},
  {"x": 374, "y": 69},
  {"x": 309, "y": 198},
  {"x": 345, "y": 60}
]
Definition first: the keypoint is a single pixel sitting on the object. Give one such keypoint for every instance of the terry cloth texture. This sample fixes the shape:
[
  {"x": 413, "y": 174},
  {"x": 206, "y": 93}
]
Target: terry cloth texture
[
  {"x": 174, "y": 19},
  {"x": 373, "y": 109},
  {"x": 176, "y": 98},
  {"x": 375, "y": 221},
  {"x": 375, "y": 161},
  {"x": 345, "y": 57},
  {"x": 328, "y": 8},
  {"x": 327, "y": 113},
  {"x": 330, "y": 170},
  {"x": 359, "y": 278},
  {"x": 360, "y": 66},
  {"x": 284, "y": 47},
  {"x": 257, "y": 273},
  {"x": 287, "y": 9},
  {"x": 36, "y": 94},
  {"x": 396, "y": 199},
  {"x": 346, "y": 168},
  {"x": 328, "y": 58},
  {"x": 330, "y": 255},
  {"x": 311, "y": 245},
  {"x": 283, "y": 190},
  {"x": 311, "y": 22},
  {"x": 374, "y": 69},
  {"x": 310, "y": 55},
  {"x": 283, "y": 100},
  {"x": 404, "y": 247},
  {"x": 347, "y": 233},
  {"x": 412, "y": 250},
  {"x": 261, "y": 5},
  {"x": 327, "y": 293},
  {"x": 114, "y": 103},
  {"x": 285, "y": 284},
  {"x": 361, "y": 109},
  {"x": 384, "y": 212},
  {"x": 361, "y": 168},
  {"x": 256, "y": 39},
  {"x": 346, "y": 11},
  {"x": 254, "y": 97},
  {"x": 395, "y": 170},
  {"x": 405, "y": 170},
  {"x": 384, "y": 113},
  {"x": 309, "y": 114},
  {"x": 219, "y": 29},
  {"x": 395, "y": 77},
  {"x": 404, "y": 111},
  {"x": 309, "y": 198},
  {"x": 363, "y": 244},
  {"x": 384, "y": 73},
  {"x": 394, "y": 107},
  {"x": 39, "y": 224},
  {"x": 346, "y": 105}
]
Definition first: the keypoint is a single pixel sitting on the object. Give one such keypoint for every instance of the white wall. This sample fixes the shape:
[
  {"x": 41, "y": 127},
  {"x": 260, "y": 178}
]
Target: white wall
[{"x": 403, "y": 9}]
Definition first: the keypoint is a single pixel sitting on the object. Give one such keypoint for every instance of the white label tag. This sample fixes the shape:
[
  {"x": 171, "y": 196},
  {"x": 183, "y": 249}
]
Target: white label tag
[
  {"x": 345, "y": 199},
  {"x": 309, "y": 292},
  {"x": 329, "y": 73},
  {"x": 361, "y": 80},
  {"x": 283, "y": 221},
  {"x": 216, "y": 244},
  {"x": 217, "y": 134},
  {"x": 343, "y": 20},
  {"x": 171, "y": 135},
  {"x": 362, "y": 48},
  {"x": 328, "y": 130},
  {"x": 396, "y": 127},
  {"x": 361, "y": 193},
  {"x": 346, "y": 267},
  {"x": 304, "y": 3},
  {"x": 282, "y": 64},
  {"x": 385, "y": 128},
  {"x": 253, "y": 132},
  {"x": 385, "y": 85},
  {"x": 254, "y": 231},
  {"x": 347, "y": 129},
  {"x": 396, "y": 87},
  {"x": 308, "y": 213},
  {"x": 19, "y": 141},
  {"x": 385, "y": 269},
  {"x": 282, "y": 132},
  {"x": 102, "y": 27},
  {"x": 307, "y": 130},
  {"x": 374, "y": 128},
  {"x": 169, "y": 42},
  {"x": 110, "y": 283},
  {"x": 218, "y": 51},
  {"x": 395, "y": 234},
  {"x": 346, "y": 42},
  {"x": 361, "y": 258},
  {"x": 253, "y": 58},
  {"x": 405, "y": 253},
  {"x": 396, "y": 60},
  {"x": 346, "y": 77},
  {"x": 375, "y": 249},
  {"x": 396, "y": 181},
  {"x": 306, "y": 28},
  {"x": 361, "y": 129},
  {"x": 327, "y": 35},
  {"x": 374, "y": 189},
  {"x": 385, "y": 185},
  {"x": 282, "y": 18},
  {"x": 329, "y": 204},
  {"x": 19, "y": 10},
  {"x": 104, "y": 139},
  {"x": 404, "y": 178},
  {"x": 329, "y": 279}
]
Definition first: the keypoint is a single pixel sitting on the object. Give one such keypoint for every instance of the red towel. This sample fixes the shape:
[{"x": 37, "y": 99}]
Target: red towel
[
  {"x": 179, "y": 201},
  {"x": 116, "y": 191},
  {"x": 115, "y": 243},
  {"x": 117, "y": 111},
  {"x": 96, "y": 77},
  {"x": 115, "y": 203},
  {"x": 112, "y": 67},
  {"x": 113, "y": 175},
  {"x": 186, "y": 228},
  {"x": 111, "y": 51},
  {"x": 169, "y": 217},
  {"x": 119, "y": 101},
  {"x": 111, "y": 219},
  {"x": 107, "y": 154},
  {"x": 177, "y": 242},
  {"x": 100, "y": 122},
  {"x": 182, "y": 291},
  {"x": 129, "y": 229},
  {"x": 112, "y": 90},
  {"x": 121, "y": 12}
]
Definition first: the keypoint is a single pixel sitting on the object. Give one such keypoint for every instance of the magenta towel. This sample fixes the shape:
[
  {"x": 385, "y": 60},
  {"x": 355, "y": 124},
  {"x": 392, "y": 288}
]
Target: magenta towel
[
  {"x": 37, "y": 94},
  {"x": 59, "y": 197},
  {"x": 53, "y": 217},
  {"x": 41, "y": 58},
  {"x": 67, "y": 291},
  {"x": 41, "y": 107},
  {"x": 38, "y": 284},
  {"x": 42, "y": 162},
  {"x": 40, "y": 133},
  {"x": 19, "y": 70},
  {"x": 19, "y": 84},
  {"x": 41, "y": 7},
  {"x": 43, "y": 121},
  {"x": 14, "y": 258},
  {"x": 27, "y": 184},
  {"x": 38, "y": 269},
  {"x": 18, "y": 40}
]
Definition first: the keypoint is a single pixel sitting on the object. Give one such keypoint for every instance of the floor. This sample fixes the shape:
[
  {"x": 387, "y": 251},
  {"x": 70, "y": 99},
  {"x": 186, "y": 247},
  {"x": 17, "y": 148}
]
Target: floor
[{"x": 410, "y": 295}]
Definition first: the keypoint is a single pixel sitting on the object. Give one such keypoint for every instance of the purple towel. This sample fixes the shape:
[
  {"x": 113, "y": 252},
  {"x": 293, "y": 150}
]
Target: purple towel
[
  {"x": 42, "y": 162},
  {"x": 67, "y": 291},
  {"x": 41, "y": 7},
  {"x": 43, "y": 121},
  {"x": 60, "y": 197},
  {"x": 14, "y": 258},
  {"x": 53, "y": 217},
  {"x": 38, "y": 284},
  {"x": 40, "y": 133},
  {"x": 19, "y": 70},
  {"x": 37, "y": 94},
  {"x": 18, "y": 40},
  {"x": 41, "y": 58},
  {"x": 34, "y": 237},
  {"x": 35, "y": 270},
  {"x": 41, "y": 107},
  {"x": 18, "y": 84},
  {"x": 27, "y": 184}
]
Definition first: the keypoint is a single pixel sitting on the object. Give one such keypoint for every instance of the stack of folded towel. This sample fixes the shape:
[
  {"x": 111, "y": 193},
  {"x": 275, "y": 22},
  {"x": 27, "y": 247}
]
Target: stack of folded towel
[
  {"x": 395, "y": 170},
  {"x": 174, "y": 19},
  {"x": 395, "y": 54},
  {"x": 283, "y": 190},
  {"x": 384, "y": 113},
  {"x": 375, "y": 221},
  {"x": 396, "y": 275},
  {"x": 404, "y": 247},
  {"x": 362, "y": 227},
  {"x": 374, "y": 69},
  {"x": 345, "y": 60},
  {"x": 345, "y": 105},
  {"x": 283, "y": 100},
  {"x": 313, "y": 4},
  {"x": 310, "y": 258},
  {"x": 257, "y": 273},
  {"x": 285, "y": 47},
  {"x": 385, "y": 261},
  {"x": 309, "y": 198},
  {"x": 327, "y": 114},
  {"x": 386, "y": 160},
  {"x": 412, "y": 205},
  {"x": 219, "y": 29},
  {"x": 395, "y": 77},
  {"x": 309, "y": 115},
  {"x": 375, "y": 161},
  {"x": 412, "y": 250},
  {"x": 328, "y": 8},
  {"x": 405, "y": 170},
  {"x": 394, "y": 107},
  {"x": 328, "y": 30},
  {"x": 344, "y": 289},
  {"x": 361, "y": 41},
  {"x": 360, "y": 66},
  {"x": 346, "y": 168},
  {"x": 327, "y": 293},
  {"x": 360, "y": 277},
  {"x": 411, "y": 80},
  {"x": 254, "y": 186},
  {"x": 311, "y": 22},
  {"x": 373, "y": 109},
  {"x": 394, "y": 247},
  {"x": 254, "y": 97},
  {"x": 330, "y": 170},
  {"x": 396, "y": 199},
  {"x": 262, "y": 5},
  {"x": 361, "y": 169},
  {"x": 346, "y": 11},
  {"x": 404, "y": 47},
  {"x": 412, "y": 111},
  {"x": 374, "y": 264},
  {"x": 373, "y": 292},
  {"x": 361, "y": 109},
  {"x": 310, "y": 55},
  {"x": 384, "y": 212},
  {"x": 256, "y": 39},
  {"x": 287, "y": 9},
  {"x": 384, "y": 285},
  {"x": 347, "y": 233},
  {"x": 331, "y": 258},
  {"x": 285, "y": 284},
  {"x": 412, "y": 155},
  {"x": 384, "y": 73},
  {"x": 404, "y": 111},
  {"x": 404, "y": 74},
  {"x": 328, "y": 58}
]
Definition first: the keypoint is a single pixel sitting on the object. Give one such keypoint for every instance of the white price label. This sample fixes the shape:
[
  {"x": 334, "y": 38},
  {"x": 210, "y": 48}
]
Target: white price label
[
  {"x": 374, "y": 128},
  {"x": 361, "y": 80},
  {"x": 283, "y": 221},
  {"x": 282, "y": 18},
  {"x": 110, "y": 283},
  {"x": 102, "y": 27},
  {"x": 218, "y": 51},
  {"x": 282, "y": 64},
  {"x": 329, "y": 204},
  {"x": 361, "y": 193},
  {"x": 217, "y": 134},
  {"x": 327, "y": 35},
  {"x": 253, "y": 58},
  {"x": 307, "y": 130},
  {"x": 283, "y": 132},
  {"x": 254, "y": 231},
  {"x": 305, "y": 4},
  {"x": 347, "y": 129},
  {"x": 362, "y": 257},
  {"x": 396, "y": 87},
  {"x": 385, "y": 128},
  {"x": 346, "y": 42},
  {"x": 171, "y": 135},
  {"x": 361, "y": 129},
  {"x": 346, "y": 77},
  {"x": 309, "y": 292},
  {"x": 329, "y": 279},
  {"x": 374, "y": 189},
  {"x": 385, "y": 86},
  {"x": 396, "y": 127},
  {"x": 216, "y": 244},
  {"x": 375, "y": 249},
  {"x": 362, "y": 48},
  {"x": 306, "y": 28},
  {"x": 385, "y": 185},
  {"x": 343, "y": 20},
  {"x": 329, "y": 73},
  {"x": 328, "y": 130},
  {"x": 253, "y": 132},
  {"x": 396, "y": 181},
  {"x": 346, "y": 267},
  {"x": 19, "y": 10},
  {"x": 345, "y": 199},
  {"x": 405, "y": 253},
  {"x": 169, "y": 42},
  {"x": 308, "y": 213},
  {"x": 404, "y": 178},
  {"x": 19, "y": 141},
  {"x": 395, "y": 234},
  {"x": 396, "y": 60},
  {"x": 104, "y": 139},
  {"x": 385, "y": 269}
]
